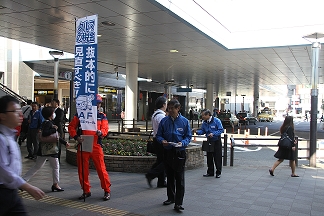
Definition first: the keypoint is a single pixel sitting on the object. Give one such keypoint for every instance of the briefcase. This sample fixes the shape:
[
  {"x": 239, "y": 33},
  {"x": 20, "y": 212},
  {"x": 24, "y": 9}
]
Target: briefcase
[{"x": 208, "y": 146}]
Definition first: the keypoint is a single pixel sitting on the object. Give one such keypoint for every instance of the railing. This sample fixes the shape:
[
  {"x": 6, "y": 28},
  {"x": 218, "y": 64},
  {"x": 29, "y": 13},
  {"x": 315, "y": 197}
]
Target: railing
[
  {"x": 233, "y": 144},
  {"x": 12, "y": 93}
]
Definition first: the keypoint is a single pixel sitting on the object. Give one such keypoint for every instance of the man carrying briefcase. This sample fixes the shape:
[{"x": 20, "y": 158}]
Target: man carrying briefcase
[{"x": 212, "y": 128}]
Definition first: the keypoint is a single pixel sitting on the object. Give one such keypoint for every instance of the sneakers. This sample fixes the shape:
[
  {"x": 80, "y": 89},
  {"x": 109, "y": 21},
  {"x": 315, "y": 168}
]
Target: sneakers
[
  {"x": 106, "y": 196},
  {"x": 85, "y": 195}
]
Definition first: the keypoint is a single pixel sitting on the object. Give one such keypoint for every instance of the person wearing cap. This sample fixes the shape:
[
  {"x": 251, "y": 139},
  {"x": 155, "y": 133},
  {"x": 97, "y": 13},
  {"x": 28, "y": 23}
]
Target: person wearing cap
[{"x": 96, "y": 155}]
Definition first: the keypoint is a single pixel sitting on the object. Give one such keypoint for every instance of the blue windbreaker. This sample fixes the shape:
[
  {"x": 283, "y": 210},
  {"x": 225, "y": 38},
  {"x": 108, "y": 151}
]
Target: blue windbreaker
[
  {"x": 177, "y": 130},
  {"x": 214, "y": 126}
]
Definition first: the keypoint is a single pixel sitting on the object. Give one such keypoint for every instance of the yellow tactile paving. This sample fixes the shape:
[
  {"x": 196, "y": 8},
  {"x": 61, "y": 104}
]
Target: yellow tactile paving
[{"x": 78, "y": 205}]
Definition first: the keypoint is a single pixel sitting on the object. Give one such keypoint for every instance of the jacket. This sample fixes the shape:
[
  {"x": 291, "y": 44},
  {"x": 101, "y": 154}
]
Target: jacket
[
  {"x": 177, "y": 130},
  {"x": 102, "y": 125},
  {"x": 36, "y": 120},
  {"x": 214, "y": 126}
]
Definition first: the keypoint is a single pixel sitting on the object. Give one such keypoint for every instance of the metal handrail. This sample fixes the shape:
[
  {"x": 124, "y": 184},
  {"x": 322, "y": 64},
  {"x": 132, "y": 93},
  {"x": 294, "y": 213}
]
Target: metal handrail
[{"x": 12, "y": 93}]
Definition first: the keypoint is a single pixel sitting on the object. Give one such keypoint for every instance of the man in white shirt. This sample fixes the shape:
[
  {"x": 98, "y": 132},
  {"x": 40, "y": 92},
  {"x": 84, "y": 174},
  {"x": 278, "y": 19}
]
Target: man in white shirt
[
  {"x": 157, "y": 169},
  {"x": 11, "y": 116}
]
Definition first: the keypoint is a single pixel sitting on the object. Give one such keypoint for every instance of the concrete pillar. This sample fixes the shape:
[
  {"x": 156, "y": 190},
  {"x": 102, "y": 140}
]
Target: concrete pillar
[
  {"x": 255, "y": 100},
  {"x": 209, "y": 96},
  {"x": 131, "y": 91}
]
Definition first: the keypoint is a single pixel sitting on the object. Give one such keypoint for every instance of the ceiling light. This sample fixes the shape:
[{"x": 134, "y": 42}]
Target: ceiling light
[
  {"x": 99, "y": 35},
  {"x": 108, "y": 23},
  {"x": 56, "y": 54},
  {"x": 174, "y": 51}
]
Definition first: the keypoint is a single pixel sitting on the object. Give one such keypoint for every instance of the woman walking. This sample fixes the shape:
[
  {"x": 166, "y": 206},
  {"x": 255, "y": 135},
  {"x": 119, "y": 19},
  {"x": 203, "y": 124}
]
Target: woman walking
[
  {"x": 48, "y": 128},
  {"x": 282, "y": 153}
]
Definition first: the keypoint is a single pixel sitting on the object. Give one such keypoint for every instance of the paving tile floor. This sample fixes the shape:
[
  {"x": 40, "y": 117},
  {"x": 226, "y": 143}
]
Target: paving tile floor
[{"x": 244, "y": 189}]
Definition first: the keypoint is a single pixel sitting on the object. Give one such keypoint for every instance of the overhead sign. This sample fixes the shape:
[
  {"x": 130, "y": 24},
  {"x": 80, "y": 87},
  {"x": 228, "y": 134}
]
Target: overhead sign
[
  {"x": 184, "y": 89},
  {"x": 85, "y": 70}
]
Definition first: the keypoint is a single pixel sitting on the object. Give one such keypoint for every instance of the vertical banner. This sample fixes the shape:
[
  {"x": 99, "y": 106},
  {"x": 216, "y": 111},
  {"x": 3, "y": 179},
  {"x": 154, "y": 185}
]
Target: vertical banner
[{"x": 85, "y": 70}]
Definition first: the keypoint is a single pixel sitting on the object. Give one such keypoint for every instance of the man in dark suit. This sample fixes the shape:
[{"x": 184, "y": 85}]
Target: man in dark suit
[{"x": 59, "y": 116}]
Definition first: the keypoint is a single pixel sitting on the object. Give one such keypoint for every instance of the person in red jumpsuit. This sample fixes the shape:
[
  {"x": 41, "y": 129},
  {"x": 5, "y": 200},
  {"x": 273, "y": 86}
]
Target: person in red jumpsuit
[{"x": 96, "y": 155}]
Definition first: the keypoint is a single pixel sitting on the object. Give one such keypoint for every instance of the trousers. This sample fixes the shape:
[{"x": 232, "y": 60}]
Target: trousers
[
  {"x": 215, "y": 157},
  {"x": 10, "y": 203},
  {"x": 40, "y": 162},
  {"x": 97, "y": 157},
  {"x": 32, "y": 142},
  {"x": 157, "y": 169}
]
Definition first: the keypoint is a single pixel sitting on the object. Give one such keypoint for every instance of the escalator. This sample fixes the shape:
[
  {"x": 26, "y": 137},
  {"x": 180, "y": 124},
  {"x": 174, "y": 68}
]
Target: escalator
[{"x": 4, "y": 90}]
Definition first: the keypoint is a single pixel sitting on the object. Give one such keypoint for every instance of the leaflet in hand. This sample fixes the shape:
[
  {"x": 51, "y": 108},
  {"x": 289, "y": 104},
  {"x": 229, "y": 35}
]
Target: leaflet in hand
[{"x": 175, "y": 144}]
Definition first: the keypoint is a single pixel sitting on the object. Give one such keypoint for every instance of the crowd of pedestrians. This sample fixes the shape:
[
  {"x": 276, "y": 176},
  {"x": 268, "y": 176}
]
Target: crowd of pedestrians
[{"x": 171, "y": 135}]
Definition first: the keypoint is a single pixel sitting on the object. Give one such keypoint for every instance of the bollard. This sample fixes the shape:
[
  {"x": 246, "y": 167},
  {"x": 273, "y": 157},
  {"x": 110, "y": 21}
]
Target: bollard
[
  {"x": 296, "y": 151},
  {"x": 266, "y": 131},
  {"x": 246, "y": 142},
  {"x": 249, "y": 131},
  {"x": 259, "y": 131},
  {"x": 146, "y": 124},
  {"x": 232, "y": 152},
  {"x": 225, "y": 150},
  {"x": 238, "y": 131}
]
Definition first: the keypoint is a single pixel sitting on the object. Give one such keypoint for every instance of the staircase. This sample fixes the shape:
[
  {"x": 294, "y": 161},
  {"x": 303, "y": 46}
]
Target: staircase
[{"x": 4, "y": 90}]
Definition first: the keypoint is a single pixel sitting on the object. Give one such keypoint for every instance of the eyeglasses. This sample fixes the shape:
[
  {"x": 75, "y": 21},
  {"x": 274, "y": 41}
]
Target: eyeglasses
[{"x": 14, "y": 111}]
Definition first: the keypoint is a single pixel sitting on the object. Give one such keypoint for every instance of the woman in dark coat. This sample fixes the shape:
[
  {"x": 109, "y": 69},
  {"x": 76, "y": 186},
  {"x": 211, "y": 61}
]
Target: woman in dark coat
[
  {"x": 288, "y": 154},
  {"x": 48, "y": 128}
]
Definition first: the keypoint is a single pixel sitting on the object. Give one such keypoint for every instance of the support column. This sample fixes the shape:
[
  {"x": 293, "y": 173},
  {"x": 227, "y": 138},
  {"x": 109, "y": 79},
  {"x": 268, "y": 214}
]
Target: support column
[
  {"x": 209, "y": 96},
  {"x": 314, "y": 102},
  {"x": 255, "y": 100},
  {"x": 131, "y": 91}
]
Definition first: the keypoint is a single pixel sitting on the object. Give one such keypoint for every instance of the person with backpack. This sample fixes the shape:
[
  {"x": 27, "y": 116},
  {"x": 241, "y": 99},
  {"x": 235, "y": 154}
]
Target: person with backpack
[
  {"x": 157, "y": 170},
  {"x": 284, "y": 153}
]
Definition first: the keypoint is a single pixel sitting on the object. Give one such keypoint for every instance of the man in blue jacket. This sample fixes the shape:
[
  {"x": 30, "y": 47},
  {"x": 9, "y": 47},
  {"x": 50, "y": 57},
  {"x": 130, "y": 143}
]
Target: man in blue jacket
[
  {"x": 213, "y": 129},
  {"x": 175, "y": 134},
  {"x": 35, "y": 120}
]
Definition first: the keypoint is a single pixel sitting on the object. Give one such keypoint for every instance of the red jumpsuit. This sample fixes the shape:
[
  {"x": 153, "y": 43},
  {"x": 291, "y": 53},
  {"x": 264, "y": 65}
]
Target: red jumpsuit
[{"x": 96, "y": 155}]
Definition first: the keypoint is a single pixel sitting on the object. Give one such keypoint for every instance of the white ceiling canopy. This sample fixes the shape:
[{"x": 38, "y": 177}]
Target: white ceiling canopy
[{"x": 252, "y": 23}]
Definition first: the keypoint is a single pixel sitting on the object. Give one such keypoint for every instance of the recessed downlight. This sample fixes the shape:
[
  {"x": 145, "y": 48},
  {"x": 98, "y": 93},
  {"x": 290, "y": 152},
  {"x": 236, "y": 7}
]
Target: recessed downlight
[{"x": 174, "y": 51}]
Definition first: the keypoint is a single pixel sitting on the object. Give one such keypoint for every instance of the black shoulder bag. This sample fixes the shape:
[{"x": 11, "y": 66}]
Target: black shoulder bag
[
  {"x": 150, "y": 146},
  {"x": 285, "y": 142}
]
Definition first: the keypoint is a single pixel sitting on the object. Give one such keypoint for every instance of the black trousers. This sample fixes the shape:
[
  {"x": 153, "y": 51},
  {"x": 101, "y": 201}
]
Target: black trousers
[
  {"x": 10, "y": 203},
  {"x": 32, "y": 142},
  {"x": 174, "y": 167},
  {"x": 157, "y": 170},
  {"x": 215, "y": 157}
]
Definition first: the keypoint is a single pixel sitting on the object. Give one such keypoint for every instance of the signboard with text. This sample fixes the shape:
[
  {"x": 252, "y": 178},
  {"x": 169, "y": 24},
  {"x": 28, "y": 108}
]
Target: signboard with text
[{"x": 85, "y": 70}]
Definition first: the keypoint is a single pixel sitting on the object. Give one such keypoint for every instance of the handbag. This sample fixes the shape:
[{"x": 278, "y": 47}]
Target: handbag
[
  {"x": 150, "y": 147},
  {"x": 48, "y": 144},
  {"x": 54, "y": 137},
  {"x": 285, "y": 142},
  {"x": 208, "y": 146},
  {"x": 49, "y": 148}
]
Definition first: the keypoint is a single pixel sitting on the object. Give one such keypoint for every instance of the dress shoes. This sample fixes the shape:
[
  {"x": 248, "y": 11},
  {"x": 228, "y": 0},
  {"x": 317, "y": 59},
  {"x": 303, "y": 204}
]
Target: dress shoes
[
  {"x": 218, "y": 175},
  {"x": 168, "y": 202},
  {"x": 208, "y": 175},
  {"x": 162, "y": 186},
  {"x": 178, "y": 207},
  {"x": 57, "y": 189},
  {"x": 85, "y": 195},
  {"x": 106, "y": 196}
]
